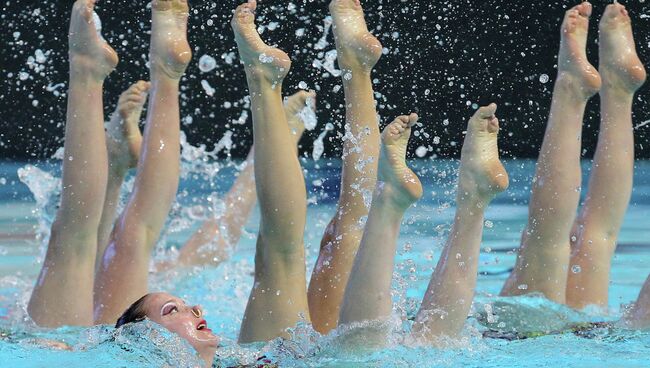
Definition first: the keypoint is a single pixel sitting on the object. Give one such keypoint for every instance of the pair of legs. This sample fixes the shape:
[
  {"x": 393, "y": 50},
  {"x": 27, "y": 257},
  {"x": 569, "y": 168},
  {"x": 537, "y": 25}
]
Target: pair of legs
[
  {"x": 68, "y": 291},
  {"x": 565, "y": 258},
  {"x": 279, "y": 297},
  {"x": 450, "y": 293},
  {"x": 358, "y": 51}
]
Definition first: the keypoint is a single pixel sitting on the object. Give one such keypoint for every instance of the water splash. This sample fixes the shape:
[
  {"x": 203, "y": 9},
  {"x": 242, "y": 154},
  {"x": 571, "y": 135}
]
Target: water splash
[
  {"x": 319, "y": 146},
  {"x": 46, "y": 189}
]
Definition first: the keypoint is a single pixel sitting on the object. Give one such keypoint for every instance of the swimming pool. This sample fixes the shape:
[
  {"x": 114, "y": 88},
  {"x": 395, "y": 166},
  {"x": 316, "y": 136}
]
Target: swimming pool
[{"x": 223, "y": 291}]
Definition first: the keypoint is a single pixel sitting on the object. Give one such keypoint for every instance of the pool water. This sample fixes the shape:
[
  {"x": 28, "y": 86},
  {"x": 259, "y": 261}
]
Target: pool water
[{"x": 223, "y": 290}]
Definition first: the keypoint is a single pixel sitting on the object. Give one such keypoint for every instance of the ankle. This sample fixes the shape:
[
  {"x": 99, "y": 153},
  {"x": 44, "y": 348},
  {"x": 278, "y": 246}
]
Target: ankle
[
  {"x": 163, "y": 80},
  {"x": 386, "y": 195},
  {"x": 351, "y": 73},
  {"x": 617, "y": 93},
  {"x": 469, "y": 197},
  {"x": 573, "y": 88},
  {"x": 259, "y": 84}
]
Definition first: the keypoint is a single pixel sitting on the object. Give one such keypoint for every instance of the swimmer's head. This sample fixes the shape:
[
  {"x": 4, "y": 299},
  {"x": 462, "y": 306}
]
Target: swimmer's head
[{"x": 177, "y": 317}]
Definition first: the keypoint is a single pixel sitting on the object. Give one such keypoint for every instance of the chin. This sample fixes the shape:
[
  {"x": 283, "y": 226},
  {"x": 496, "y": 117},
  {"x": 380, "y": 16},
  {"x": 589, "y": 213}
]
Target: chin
[{"x": 207, "y": 353}]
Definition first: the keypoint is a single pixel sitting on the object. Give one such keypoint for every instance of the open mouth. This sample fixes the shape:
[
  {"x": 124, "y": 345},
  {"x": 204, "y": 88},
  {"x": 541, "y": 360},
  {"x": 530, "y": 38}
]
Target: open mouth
[{"x": 203, "y": 326}]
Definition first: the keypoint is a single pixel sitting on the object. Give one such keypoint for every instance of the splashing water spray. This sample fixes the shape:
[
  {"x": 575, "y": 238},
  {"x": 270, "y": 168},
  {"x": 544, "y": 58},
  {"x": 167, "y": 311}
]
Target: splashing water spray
[{"x": 319, "y": 147}]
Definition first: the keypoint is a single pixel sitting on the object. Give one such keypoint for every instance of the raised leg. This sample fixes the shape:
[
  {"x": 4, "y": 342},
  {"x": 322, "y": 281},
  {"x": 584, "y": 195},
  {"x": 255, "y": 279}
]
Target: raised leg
[
  {"x": 215, "y": 240},
  {"x": 367, "y": 296},
  {"x": 450, "y": 293},
  {"x": 63, "y": 293},
  {"x": 358, "y": 52},
  {"x": 602, "y": 215},
  {"x": 543, "y": 258},
  {"x": 278, "y": 299},
  {"x": 123, "y": 141},
  {"x": 122, "y": 276},
  {"x": 639, "y": 315}
]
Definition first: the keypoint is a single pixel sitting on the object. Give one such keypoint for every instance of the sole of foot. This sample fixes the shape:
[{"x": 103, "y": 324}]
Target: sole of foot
[
  {"x": 619, "y": 62},
  {"x": 482, "y": 175},
  {"x": 170, "y": 52},
  {"x": 123, "y": 134},
  {"x": 356, "y": 47},
  {"x": 262, "y": 62},
  {"x": 572, "y": 61},
  {"x": 88, "y": 50},
  {"x": 399, "y": 182}
]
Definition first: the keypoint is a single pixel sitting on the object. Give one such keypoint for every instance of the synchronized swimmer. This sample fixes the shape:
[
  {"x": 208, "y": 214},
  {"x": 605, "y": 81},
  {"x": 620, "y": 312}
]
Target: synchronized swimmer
[{"x": 97, "y": 262}]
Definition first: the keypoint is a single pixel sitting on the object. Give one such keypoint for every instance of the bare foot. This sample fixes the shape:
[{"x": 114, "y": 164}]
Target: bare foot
[
  {"x": 399, "y": 182},
  {"x": 357, "y": 48},
  {"x": 482, "y": 176},
  {"x": 619, "y": 62},
  {"x": 123, "y": 137},
  {"x": 293, "y": 106},
  {"x": 572, "y": 61},
  {"x": 87, "y": 49},
  {"x": 169, "y": 51},
  {"x": 260, "y": 60}
]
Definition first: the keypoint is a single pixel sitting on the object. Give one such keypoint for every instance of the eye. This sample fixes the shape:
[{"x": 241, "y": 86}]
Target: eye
[{"x": 169, "y": 308}]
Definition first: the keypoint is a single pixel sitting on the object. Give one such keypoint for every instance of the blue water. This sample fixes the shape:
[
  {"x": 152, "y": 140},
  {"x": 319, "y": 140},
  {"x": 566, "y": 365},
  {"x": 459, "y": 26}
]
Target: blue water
[{"x": 223, "y": 290}]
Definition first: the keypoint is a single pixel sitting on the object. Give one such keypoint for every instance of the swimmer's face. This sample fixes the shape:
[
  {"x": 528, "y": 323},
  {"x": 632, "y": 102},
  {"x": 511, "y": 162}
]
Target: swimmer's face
[{"x": 184, "y": 320}]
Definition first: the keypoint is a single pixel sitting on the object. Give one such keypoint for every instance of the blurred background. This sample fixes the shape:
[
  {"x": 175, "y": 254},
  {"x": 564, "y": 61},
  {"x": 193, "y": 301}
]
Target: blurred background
[{"x": 442, "y": 59}]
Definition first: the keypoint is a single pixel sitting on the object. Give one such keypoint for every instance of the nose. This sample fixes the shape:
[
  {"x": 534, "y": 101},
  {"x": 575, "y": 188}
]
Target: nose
[{"x": 197, "y": 311}]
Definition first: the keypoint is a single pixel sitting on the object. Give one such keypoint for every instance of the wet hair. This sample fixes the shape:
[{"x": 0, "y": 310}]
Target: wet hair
[{"x": 133, "y": 314}]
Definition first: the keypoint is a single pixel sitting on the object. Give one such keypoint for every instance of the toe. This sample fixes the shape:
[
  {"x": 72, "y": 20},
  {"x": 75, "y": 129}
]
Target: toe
[
  {"x": 571, "y": 14},
  {"x": 493, "y": 125},
  {"x": 145, "y": 86},
  {"x": 181, "y": 6},
  {"x": 161, "y": 5},
  {"x": 413, "y": 118},
  {"x": 585, "y": 9},
  {"x": 404, "y": 119},
  {"x": 137, "y": 98},
  {"x": 486, "y": 111}
]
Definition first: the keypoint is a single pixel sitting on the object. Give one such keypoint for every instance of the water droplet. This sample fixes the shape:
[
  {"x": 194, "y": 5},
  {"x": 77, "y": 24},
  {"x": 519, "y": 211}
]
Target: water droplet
[
  {"x": 523, "y": 287},
  {"x": 489, "y": 224},
  {"x": 421, "y": 151},
  {"x": 40, "y": 56},
  {"x": 207, "y": 88},
  {"x": 207, "y": 63},
  {"x": 543, "y": 78},
  {"x": 265, "y": 59},
  {"x": 576, "y": 269}
]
